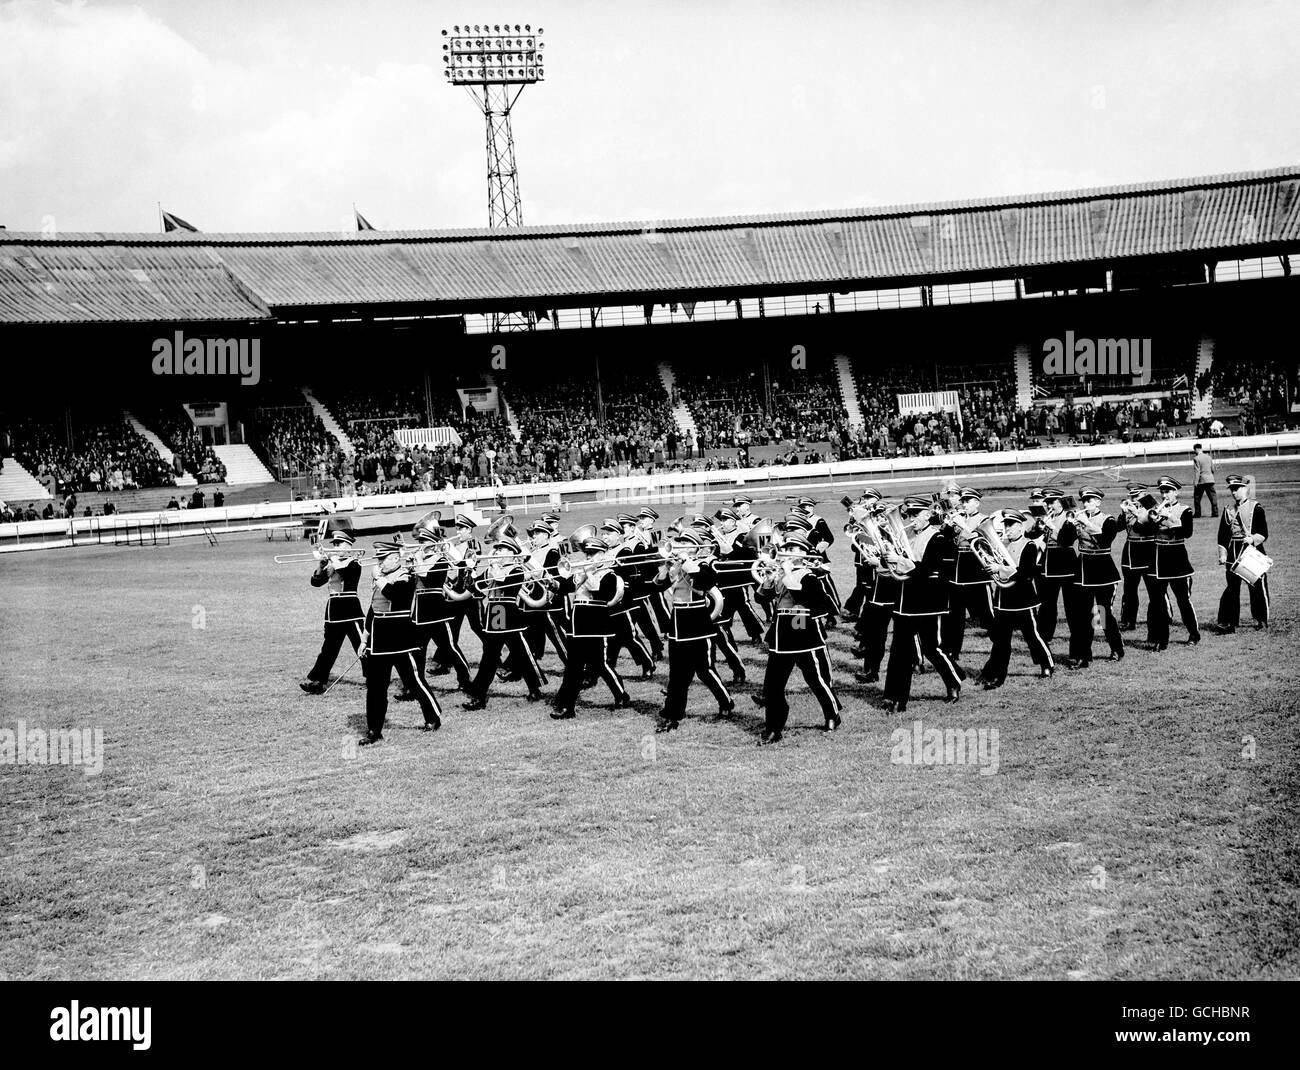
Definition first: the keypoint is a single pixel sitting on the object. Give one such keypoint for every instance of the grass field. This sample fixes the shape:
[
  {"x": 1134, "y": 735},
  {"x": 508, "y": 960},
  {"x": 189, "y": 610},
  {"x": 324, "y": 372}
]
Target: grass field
[{"x": 235, "y": 832}]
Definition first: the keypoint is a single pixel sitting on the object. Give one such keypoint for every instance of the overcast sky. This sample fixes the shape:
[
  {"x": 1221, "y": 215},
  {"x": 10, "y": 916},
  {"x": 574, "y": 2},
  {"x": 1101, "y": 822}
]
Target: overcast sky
[{"x": 255, "y": 115}]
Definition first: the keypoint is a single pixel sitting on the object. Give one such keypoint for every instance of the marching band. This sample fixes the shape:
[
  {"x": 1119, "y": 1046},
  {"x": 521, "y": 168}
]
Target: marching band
[{"x": 923, "y": 568}]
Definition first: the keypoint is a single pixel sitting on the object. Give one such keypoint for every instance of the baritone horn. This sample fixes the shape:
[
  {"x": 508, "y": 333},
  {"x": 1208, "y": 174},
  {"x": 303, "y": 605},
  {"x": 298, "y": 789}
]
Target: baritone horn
[
  {"x": 895, "y": 531},
  {"x": 990, "y": 551}
]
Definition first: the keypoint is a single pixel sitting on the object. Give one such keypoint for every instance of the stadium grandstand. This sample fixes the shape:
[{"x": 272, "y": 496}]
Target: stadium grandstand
[{"x": 369, "y": 363}]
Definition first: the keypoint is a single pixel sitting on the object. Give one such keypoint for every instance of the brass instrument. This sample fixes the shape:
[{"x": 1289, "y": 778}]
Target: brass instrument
[
  {"x": 321, "y": 553},
  {"x": 893, "y": 526},
  {"x": 991, "y": 552}
]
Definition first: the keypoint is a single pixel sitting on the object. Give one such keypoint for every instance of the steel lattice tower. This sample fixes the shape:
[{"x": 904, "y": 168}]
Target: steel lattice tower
[{"x": 498, "y": 60}]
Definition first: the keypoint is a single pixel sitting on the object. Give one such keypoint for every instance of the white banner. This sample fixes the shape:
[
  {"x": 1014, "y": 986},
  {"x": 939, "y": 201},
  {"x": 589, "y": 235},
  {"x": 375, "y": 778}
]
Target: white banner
[
  {"x": 428, "y": 436},
  {"x": 934, "y": 401}
]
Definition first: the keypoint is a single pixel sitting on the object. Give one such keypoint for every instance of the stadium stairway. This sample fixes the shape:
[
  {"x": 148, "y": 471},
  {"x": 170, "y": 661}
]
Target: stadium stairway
[
  {"x": 19, "y": 485},
  {"x": 1203, "y": 405},
  {"x": 161, "y": 448},
  {"x": 1024, "y": 378},
  {"x": 242, "y": 465},
  {"x": 512, "y": 421},
  {"x": 681, "y": 413},
  {"x": 331, "y": 425},
  {"x": 849, "y": 390}
]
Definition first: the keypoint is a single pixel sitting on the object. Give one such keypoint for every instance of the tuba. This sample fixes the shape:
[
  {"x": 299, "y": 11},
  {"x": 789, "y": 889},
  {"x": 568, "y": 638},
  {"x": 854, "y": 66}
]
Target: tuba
[
  {"x": 894, "y": 530},
  {"x": 990, "y": 551}
]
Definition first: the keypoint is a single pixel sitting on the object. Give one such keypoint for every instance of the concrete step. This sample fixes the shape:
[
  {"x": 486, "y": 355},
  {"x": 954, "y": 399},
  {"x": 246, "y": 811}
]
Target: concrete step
[
  {"x": 19, "y": 485},
  {"x": 331, "y": 425},
  {"x": 184, "y": 479},
  {"x": 243, "y": 466}
]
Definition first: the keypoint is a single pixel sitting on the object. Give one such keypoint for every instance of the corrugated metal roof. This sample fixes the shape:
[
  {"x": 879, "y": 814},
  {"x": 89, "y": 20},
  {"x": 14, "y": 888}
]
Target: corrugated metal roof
[{"x": 182, "y": 275}]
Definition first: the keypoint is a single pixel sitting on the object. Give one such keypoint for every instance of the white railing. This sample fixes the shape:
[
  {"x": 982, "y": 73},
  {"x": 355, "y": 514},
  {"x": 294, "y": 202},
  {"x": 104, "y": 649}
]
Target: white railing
[{"x": 671, "y": 486}]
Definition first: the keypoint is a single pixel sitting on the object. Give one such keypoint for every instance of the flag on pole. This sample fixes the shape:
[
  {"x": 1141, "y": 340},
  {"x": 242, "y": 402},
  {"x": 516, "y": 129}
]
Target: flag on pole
[
  {"x": 175, "y": 222},
  {"x": 1040, "y": 391},
  {"x": 1180, "y": 381},
  {"x": 362, "y": 222}
]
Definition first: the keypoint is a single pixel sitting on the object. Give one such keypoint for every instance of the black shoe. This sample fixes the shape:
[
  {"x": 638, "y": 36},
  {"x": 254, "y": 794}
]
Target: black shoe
[
  {"x": 509, "y": 676},
  {"x": 993, "y": 684},
  {"x": 738, "y": 678},
  {"x": 563, "y": 715},
  {"x": 1045, "y": 673},
  {"x": 1116, "y": 655},
  {"x": 1159, "y": 647},
  {"x": 369, "y": 738},
  {"x": 475, "y": 704},
  {"x": 666, "y": 725},
  {"x": 768, "y": 738},
  {"x": 871, "y": 678},
  {"x": 758, "y": 700},
  {"x": 954, "y": 694},
  {"x": 890, "y": 706},
  {"x": 438, "y": 670},
  {"x": 588, "y": 682},
  {"x": 725, "y": 711},
  {"x": 1224, "y": 629},
  {"x": 1193, "y": 640},
  {"x": 623, "y": 701},
  {"x": 648, "y": 671},
  {"x": 534, "y": 696},
  {"x": 1261, "y": 625},
  {"x": 404, "y": 696},
  {"x": 857, "y": 652},
  {"x": 833, "y": 723},
  {"x": 432, "y": 726},
  {"x": 312, "y": 687}
]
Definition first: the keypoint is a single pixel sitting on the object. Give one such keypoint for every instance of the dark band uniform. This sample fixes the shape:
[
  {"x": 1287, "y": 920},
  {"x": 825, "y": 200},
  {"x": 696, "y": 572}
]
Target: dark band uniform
[
  {"x": 391, "y": 644},
  {"x": 922, "y": 602},
  {"x": 797, "y": 637},
  {"x": 691, "y": 636},
  {"x": 971, "y": 586},
  {"x": 1095, "y": 583},
  {"x": 590, "y": 634},
  {"x": 1060, "y": 567},
  {"x": 504, "y": 623},
  {"x": 432, "y": 614},
  {"x": 1015, "y": 605},
  {"x": 1136, "y": 559},
  {"x": 1240, "y": 525},
  {"x": 343, "y": 615},
  {"x": 1172, "y": 574}
]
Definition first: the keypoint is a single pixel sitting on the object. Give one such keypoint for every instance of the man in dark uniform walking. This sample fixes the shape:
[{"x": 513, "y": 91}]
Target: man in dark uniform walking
[
  {"x": 1173, "y": 569},
  {"x": 340, "y": 572},
  {"x": 1241, "y": 524}
]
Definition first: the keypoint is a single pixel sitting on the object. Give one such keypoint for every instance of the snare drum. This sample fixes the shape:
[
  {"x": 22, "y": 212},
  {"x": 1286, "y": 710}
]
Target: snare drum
[
  {"x": 797, "y": 632},
  {"x": 691, "y": 620},
  {"x": 1252, "y": 564}
]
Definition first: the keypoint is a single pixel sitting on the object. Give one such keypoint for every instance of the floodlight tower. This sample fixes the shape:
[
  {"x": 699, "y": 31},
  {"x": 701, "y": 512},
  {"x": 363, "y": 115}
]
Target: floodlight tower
[{"x": 494, "y": 63}]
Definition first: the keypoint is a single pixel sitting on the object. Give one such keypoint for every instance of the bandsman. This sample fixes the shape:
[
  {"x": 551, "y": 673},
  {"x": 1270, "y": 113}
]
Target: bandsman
[
  {"x": 695, "y": 603},
  {"x": 733, "y": 567},
  {"x": 543, "y": 556},
  {"x": 796, "y": 637},
  {"x": 592, "y": 588},
  {"x": 1172, "y": 574},
  {"x": 431, "y": 611},
  {"x": 620, "y": 548},
  {"x": 501, "y": 588},
  {"x": 971, "y": 585},
  {"x": 340, "y": 572},
  {"x": 390, "y": 642},
  {"x": 1060, "y": 563},
  {"x": 1095, "y": 581},
  {"x": 1138, "y": 556},
  {"x": 922, "y": 602},
  {"x": 878, "y": 607},
  {"x": 1016, "y": 603},
  {"x": 641, "y": 592},
  {"x": 1241, "y": 524}
]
